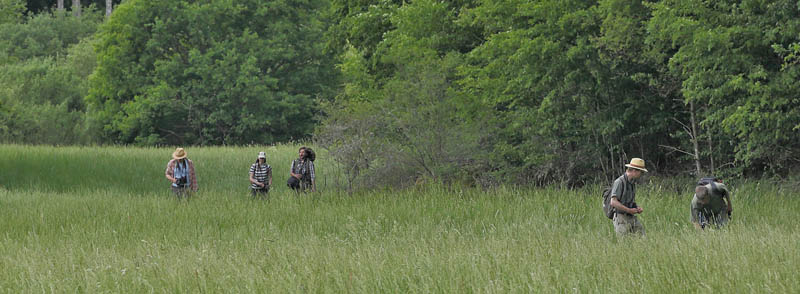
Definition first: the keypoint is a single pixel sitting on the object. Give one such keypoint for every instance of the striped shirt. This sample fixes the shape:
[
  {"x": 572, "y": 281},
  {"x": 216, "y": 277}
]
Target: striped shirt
[
  {"x": 303, "y": 167},
  {"x": 261, "y": 173}
]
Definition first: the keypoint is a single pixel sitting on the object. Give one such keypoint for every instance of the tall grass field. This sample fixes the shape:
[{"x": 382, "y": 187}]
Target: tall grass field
[{"x": 102, "y": 219}]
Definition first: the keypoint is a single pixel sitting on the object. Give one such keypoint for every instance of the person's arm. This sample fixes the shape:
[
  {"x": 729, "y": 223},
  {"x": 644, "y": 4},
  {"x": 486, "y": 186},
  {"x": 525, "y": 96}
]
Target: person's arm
[
  {"x": 728, "y": 200},
  {"x": 313, "y": 176},
  {"x": 192, "y": 175},
  {"x": 253, "y": 179},
  {"x": 169, "y": 172},
  {"x": 291, "y": 172},
  {"x": 694, "y": 216},
  {"x": 616, "y": 191},
  {"x": 618, "y": 205},
  {"x": 253, "y": 176}
]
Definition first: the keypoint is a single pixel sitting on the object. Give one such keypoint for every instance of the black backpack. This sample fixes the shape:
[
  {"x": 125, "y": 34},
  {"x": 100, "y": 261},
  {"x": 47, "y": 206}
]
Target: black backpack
[
  {"x": 310, "y": 153},
  {"x": 607, "y": 209},
  {"x": 709, "y": 180}
]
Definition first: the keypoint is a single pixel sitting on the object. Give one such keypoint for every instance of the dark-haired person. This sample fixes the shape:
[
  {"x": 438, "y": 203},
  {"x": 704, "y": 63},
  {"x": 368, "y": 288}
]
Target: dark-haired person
[
  {"x": 711, "y": 204},
  {"x": 623, "y": 200},
  {"x": 180, "y": 172},
  {"x": 260, "y": 176},
  {"x": 302, "y": 171}
]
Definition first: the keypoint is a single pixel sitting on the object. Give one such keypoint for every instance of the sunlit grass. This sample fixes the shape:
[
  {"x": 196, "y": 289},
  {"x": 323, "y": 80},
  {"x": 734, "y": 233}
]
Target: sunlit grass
[{"x": 105, "y": 222}]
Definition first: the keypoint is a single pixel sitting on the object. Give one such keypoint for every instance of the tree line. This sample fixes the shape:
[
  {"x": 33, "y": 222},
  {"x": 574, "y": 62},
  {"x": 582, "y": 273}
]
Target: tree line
[{"x": 398, "y": 92}]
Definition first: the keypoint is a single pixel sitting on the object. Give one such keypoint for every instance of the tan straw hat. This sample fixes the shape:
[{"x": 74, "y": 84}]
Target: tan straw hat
[
  {"x": 179, "y": 153},
  {"x": 637, "y": 163}
]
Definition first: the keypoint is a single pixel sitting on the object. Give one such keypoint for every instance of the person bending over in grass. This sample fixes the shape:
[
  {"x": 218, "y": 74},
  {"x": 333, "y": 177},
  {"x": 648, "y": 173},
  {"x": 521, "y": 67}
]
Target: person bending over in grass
[
  {"x": 302, "y": 171},
  {"x": 260, "y": 176},
  {"x": 180, "y": 172},
  {"x": 711, "y": 204},
  {"x": 623, "y": 200}
]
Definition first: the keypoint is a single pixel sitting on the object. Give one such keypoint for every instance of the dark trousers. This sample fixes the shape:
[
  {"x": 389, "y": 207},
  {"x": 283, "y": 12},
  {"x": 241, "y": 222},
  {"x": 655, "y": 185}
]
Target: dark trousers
[
  {"x": 298, "y": 185},
  {"x": 181, "y": 192},
  {"x": 260, "y": 193},
  {"x": 293, "y": 183}
]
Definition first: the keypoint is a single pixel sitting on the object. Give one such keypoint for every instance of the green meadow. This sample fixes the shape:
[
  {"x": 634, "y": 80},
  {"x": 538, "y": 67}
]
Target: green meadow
[{"x": 101, "y": 219}]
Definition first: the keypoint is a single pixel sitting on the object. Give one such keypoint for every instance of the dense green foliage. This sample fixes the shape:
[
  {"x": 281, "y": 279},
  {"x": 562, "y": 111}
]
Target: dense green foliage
[
  {"x": 39, "y": 6},
  {"x": 44, "y": 66},
  {"x": 565, "y": 91},
  {"x": 401, "y": 92},
  {"x": 96, "y": 223},
  {"x": 11, "y": 11},
  {"x": 208, "y": 72}
]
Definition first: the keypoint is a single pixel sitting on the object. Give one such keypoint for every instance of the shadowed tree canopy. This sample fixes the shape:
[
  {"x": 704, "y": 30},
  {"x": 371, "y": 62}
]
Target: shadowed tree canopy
[{"x": 37, "y": 6}]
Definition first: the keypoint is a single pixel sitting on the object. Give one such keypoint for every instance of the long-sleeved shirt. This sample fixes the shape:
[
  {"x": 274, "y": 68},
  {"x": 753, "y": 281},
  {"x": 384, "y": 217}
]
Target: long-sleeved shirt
[
  {"x": 303, "y": 167},
  {"x": 170, "y": 172}
]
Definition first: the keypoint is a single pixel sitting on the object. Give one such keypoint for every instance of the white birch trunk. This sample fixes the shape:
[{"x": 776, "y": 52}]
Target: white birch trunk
[
  {"x": 109, "y": 5},
  {"x": 76, "y": 8}
]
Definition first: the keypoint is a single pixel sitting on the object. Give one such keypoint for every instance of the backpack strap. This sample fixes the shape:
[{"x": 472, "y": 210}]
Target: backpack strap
[{"x": 624, "y": 179}]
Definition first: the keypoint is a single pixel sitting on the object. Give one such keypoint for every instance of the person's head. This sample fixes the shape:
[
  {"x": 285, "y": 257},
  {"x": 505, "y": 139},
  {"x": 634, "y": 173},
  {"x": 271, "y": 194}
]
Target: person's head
[
  {"x": 262, "y": 157},
  {"x": 302, "y": 152},
  {"x": 179, "y": 154},
  {"x": 635, "y": 169},
  {"x": 701, "y": 193}
]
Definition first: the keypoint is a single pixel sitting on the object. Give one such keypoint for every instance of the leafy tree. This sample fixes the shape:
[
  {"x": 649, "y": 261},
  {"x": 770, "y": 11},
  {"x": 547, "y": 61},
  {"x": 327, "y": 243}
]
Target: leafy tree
[
  {"x": 723, "y": 52},
  {"x": 209, "y": 72},
  {"x": 399, "y": 120},
  {"x": 44, "y": 67},
  {"x": 43, "y": 98},
  {"x": 569, "y": 91},
  {"x": 39, "y": 6},
  {"x": 11, "y": 11},
  {"x": 539, "y": 73},
  {"x": 44, "y": 35}
]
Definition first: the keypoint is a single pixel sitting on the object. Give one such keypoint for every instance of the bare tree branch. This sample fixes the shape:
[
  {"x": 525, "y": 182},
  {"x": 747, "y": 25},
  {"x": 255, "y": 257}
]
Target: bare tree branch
[{"x": 675, "y": 149}]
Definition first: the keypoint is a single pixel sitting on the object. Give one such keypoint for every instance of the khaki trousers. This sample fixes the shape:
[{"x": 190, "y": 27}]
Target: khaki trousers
[{"x": 626, "y": 224}]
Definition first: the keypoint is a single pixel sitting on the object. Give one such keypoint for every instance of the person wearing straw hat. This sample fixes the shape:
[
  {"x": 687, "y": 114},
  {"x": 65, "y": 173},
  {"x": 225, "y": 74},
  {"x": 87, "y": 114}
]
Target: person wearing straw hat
[
  {"x": 623, "y": 200},
  {"x": 180, "y": 172},
  {"x": 709, "y": 205},
  {"x": 260, "y": 176}
]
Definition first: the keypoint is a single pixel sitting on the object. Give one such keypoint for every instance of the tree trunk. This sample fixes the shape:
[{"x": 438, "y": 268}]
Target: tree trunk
[
  {"x": 60, "y": 5},
  {"x": 109, "y": 5},
  {"x": 710, "y": 149},
  {"x": 695, "y": 138},
  {"x": 76, "y": 8}
]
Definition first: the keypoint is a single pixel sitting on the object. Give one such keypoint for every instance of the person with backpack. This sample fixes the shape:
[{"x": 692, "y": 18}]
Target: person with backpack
[
  {"x": 180, "y": 172},
  {"x": 711, "y": 204},
  {"x": 623, "y": 200},
  {"x": 302, "y": 171},
  {"x": 260, "y": 176}
]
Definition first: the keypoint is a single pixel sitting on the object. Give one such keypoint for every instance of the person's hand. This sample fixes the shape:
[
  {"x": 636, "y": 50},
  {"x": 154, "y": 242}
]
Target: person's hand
[
  {"x": 730, "y": 209},
  {"x": 261, "y": 185},
  {"x": 636, "y": 210}
]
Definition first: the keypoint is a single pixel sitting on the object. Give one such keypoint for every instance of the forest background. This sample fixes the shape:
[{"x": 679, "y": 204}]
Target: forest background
[{"x": 476, "y": 92}]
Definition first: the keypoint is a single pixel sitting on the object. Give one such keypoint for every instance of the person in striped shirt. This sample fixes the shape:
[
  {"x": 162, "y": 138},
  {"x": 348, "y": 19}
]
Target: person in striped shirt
[{"x": 260, "y": 176}]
